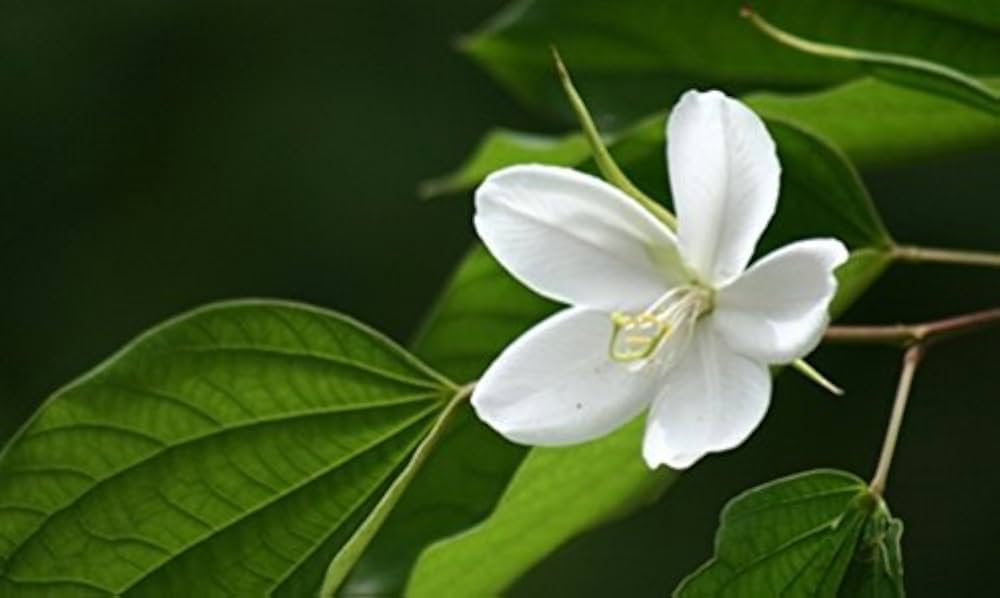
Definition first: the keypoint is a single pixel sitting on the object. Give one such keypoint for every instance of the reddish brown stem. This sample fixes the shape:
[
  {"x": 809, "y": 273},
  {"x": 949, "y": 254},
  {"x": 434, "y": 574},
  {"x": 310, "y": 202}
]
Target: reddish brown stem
[{"x": 909, "y": 334}]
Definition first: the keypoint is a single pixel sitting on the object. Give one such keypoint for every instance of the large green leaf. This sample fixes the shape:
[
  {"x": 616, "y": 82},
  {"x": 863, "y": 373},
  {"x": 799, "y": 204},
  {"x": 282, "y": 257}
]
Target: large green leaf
[
  {"x": 554, "y": 495},
  {"x": 632, "y": 56},
  {"x": 233, "y": 450},
  {"x": 876, "y": 123},
  {"x": 818, "y": 533}
]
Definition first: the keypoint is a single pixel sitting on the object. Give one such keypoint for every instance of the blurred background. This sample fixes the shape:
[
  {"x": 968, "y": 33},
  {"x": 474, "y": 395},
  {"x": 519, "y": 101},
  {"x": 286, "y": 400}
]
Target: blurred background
[{"x": 158, "y": 156}]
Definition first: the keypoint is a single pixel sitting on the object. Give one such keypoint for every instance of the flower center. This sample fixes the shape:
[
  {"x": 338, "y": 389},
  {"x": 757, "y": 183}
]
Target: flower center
[{"x": 663, "y": 327}]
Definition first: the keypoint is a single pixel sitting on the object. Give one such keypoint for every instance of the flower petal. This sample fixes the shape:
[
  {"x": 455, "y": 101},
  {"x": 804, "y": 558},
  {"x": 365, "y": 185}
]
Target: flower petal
[
  {"x": 574, "y": 238},
  {"x": 724, "y": 176},
  {"x": 777, "y": 310},
  {"x": 557, "y": 385},
  {"x": 713, "y": 399}
]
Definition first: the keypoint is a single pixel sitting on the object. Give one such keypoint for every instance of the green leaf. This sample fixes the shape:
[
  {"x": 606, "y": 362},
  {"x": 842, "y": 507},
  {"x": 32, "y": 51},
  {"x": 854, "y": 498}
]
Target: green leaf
[
  {"x": 821, "y": 193},
  {"x": 556, "y": 494},
  {"x": 235, "y": 449},
  {"x": 503, "y": 147},
  {"x": 876, "y": 123},
  {"x": 818, "y": 533},
  {"x": 631, "y": 58}
]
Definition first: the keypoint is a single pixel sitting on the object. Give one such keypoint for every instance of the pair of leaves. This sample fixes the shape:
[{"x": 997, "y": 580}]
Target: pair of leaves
[
  {"x": 236, "y": 449},
  {"x": 819, "y": 533}
]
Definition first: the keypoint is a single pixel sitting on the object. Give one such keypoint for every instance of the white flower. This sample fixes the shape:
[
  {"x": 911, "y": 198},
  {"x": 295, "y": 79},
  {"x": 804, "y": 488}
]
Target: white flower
[{"x": 677, "y": 324}]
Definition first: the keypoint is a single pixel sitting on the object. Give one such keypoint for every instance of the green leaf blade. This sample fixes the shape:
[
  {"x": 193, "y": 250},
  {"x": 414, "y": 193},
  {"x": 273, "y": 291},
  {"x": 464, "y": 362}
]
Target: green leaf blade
[
  {"x": 817, "y": 533},
  {"x": 235, "y": 448},
  {"x": 544, "y": 506},
  {"x": 504, "y": 147},
  {"x": 876, "y": 123}
]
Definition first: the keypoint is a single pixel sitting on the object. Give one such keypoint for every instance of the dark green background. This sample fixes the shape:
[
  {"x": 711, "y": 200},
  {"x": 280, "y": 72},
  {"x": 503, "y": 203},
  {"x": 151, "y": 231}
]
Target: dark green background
[{"x": 156, "y": 157}]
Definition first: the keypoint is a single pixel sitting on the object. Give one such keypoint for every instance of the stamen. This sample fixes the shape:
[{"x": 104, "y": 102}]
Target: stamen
[
  {"x": 636, "y": 337},
  {"x": 663, "y": 327}
]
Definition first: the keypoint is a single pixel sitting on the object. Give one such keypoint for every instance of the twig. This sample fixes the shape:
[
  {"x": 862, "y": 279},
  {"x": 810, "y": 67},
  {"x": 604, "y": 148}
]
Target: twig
[
  {"x": 906, "y": 335},
  {"x": 911, "y": 359},
  {"x": 916, "y": 254}
]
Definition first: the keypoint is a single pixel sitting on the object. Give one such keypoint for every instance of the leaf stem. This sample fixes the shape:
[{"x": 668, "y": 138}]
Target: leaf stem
[
  {"x": 906, "y": 335},
  {"x": 911, "y": 359},
  {"x": 916, "y": 254},
  {"x": 602, "y": 157},
  {"x": 348, "y": 555}
]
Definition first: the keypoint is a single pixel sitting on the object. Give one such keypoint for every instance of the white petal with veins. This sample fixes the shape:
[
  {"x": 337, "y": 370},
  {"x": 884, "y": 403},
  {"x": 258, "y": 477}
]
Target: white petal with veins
[
  {"x": 575, "y": 239},
  {"x": 777, "y": 310},
  {"x": 711, "y": 402},
  {"x": 724, "y": 176}
]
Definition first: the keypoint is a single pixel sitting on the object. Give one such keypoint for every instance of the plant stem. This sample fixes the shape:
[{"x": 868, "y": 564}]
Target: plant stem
[
  {"x": 910, "y": 334},
  {"x": 602, "y": 157},
  {"x": 911, "y": 359},
  {"x": 341, "y": 565},
  {"x": 917, "y": 254},
  {"x": 917, "y": 338}
]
